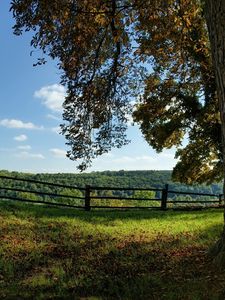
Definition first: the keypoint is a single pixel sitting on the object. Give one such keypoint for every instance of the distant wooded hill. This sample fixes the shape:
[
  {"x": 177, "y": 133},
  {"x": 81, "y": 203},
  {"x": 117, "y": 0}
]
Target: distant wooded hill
[{"x": 131, "y": 179}]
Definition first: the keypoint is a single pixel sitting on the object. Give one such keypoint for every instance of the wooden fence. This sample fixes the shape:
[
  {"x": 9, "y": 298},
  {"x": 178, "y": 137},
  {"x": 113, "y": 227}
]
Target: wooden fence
[{"x": 87, "y": 199}]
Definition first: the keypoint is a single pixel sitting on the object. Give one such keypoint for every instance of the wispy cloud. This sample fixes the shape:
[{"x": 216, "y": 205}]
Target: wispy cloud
[
  {"x": 135, "y": 159},
  {"x": 7, "y": 150},
  {"x": 53, "y": 117},
  {"x": 20, "y": 138},
  {"x": 167, "y": 155},
  {"x": 52, "y": 96},
  {"x": 56, "y": 129},
  {"x": 25, "y": 147},
  {"x": 28, "y": 155},
  {"x": 108, "y": 155},
  {"x": 18, "y": 124},
  {"x": 136, "y": 162},
  {"x": 59, "y": 153}
]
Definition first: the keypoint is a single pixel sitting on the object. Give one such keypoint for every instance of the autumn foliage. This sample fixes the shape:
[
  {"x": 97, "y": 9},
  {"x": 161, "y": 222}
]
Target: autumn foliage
[{"x": 112, "y": 53}]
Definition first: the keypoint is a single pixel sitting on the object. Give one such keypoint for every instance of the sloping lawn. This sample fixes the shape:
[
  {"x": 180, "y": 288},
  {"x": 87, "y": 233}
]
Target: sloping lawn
[{"x": 51, "y": 253}]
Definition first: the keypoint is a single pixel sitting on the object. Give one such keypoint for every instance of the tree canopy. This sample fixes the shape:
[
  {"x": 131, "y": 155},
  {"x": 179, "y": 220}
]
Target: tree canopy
[
  {"x": 112, "y": 52},
  {"x": 180, "y": 94}
]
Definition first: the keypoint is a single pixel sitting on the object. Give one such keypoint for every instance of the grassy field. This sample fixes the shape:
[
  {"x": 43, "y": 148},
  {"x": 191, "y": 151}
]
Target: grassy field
[{"x": 50, "y": 253}]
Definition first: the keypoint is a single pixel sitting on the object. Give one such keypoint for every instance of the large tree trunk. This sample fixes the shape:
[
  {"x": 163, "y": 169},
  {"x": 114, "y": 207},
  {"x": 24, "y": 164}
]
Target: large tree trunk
[{"x": 215, "y": 18}]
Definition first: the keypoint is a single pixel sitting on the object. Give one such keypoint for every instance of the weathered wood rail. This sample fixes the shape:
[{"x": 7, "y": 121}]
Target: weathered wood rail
[{"x": 87, "y": 199}]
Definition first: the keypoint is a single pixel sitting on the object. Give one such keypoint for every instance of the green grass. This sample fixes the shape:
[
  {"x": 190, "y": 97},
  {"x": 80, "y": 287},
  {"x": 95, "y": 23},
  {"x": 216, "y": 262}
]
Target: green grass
[{"x": 51, "y": 253}]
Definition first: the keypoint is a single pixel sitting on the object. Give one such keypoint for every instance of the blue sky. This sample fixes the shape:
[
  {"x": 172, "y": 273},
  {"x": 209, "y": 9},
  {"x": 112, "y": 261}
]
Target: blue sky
[{"x": 30, "y": 114}]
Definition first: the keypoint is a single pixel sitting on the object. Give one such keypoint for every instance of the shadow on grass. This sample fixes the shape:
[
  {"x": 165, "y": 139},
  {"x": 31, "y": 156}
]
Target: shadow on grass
[
  {"x": 72, "y": 266},
  {"x": 53, "y": 260}
]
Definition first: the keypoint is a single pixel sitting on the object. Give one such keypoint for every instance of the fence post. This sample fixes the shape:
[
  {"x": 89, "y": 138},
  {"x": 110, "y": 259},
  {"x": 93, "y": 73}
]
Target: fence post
[
  {"x": 87, "y": 198},
  {"x": 164, "y": 197}
]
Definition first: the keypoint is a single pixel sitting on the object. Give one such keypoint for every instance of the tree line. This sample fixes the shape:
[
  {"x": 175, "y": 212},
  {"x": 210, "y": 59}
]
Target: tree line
[{"x": 121, "y": 179}]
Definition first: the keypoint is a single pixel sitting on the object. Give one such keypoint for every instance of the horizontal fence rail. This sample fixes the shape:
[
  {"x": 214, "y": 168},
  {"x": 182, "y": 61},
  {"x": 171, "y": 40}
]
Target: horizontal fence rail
[
  {"x": 124, "y": 189},
  {"x": 39, "y": 202},
  {"x": 41, "y": 182},
  {"x": 125, "y": 198},
  {"x": 191, "y": 193},
  {"x": 86, "y": 198},
  {"x": 40, "y": 193}
]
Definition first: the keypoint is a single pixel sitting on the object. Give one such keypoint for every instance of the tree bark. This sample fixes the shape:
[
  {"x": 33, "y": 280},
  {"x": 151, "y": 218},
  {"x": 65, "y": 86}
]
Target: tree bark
[{"x": 215, "y": 18}]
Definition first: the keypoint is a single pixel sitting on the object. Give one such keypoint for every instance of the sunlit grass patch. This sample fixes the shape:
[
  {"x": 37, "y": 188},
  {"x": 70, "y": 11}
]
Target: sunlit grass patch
[{"x": 68, "y": 254}]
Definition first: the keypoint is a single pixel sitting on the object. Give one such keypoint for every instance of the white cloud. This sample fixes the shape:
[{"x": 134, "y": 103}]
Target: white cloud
[
  {"x": 167, "y": 155},
  {"x": 20, "y": 138},
  {"x": 52, "y": 96},
  {"x": 164, "y": 161},
  {"x": 28, "y": 155},
  {"x": 7, "y": 150},
  {"x": 53, "y": 117},
  {"x": 18, "y": 124},
  {"x": 108, "y": 155},
  {"x": 25, "y": 147},
  {"x": 59, "y": 153},
  {"x": 56, "y": 129},
  {"x": 135, "y": 159}
]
